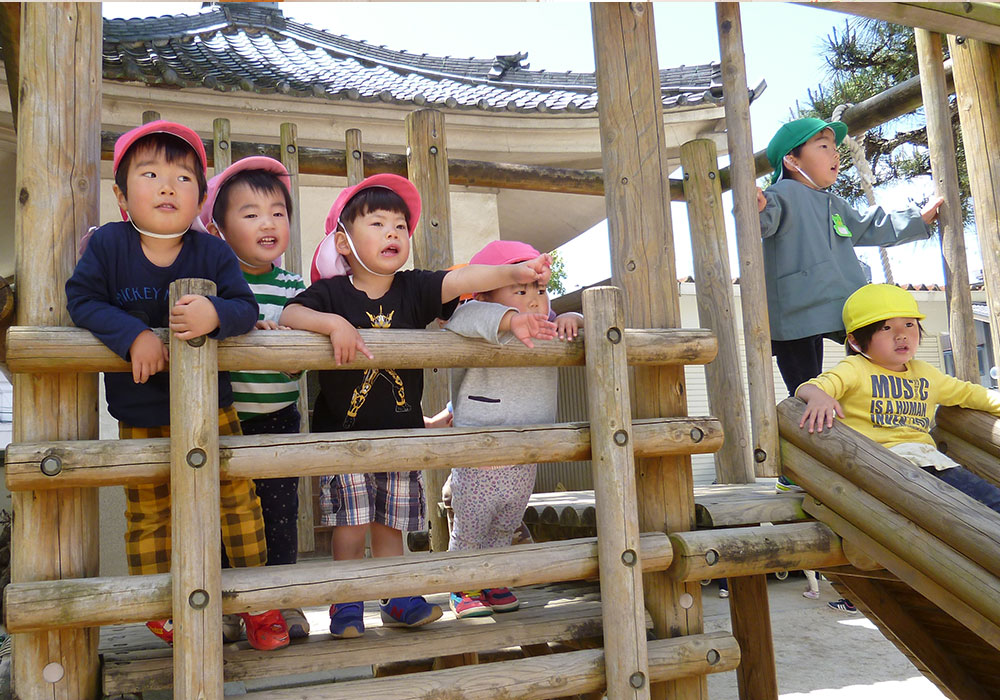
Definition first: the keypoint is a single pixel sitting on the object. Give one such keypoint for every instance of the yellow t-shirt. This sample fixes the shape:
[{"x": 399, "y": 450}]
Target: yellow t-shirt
[{"x": 897, "y": 407}]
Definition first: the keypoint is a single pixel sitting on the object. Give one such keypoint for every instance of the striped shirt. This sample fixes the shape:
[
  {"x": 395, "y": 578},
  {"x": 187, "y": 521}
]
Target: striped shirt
[{"x": 260, "y": 392}]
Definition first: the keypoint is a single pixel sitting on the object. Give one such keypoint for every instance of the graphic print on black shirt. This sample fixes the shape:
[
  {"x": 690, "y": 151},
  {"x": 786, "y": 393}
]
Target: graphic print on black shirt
[{"x": 380, "y": 320}]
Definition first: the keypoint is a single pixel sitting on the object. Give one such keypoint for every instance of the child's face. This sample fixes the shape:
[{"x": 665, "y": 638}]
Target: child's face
[
  {"x": 256, "y": 226},
  {"x": 819, "y": 159},
  {"x": 162, "y": 197},
  {"x": 526, "y": 298},
  {"x": 895, "y": 343},
  {"x": 381, "y": 238}
]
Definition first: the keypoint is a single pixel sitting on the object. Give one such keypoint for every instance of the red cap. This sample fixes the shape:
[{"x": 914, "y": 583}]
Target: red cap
[
  {"x": 327, "y": 262},
  {"x": 160, "y": 126},
  {"x": 250, "y": 163},
  {"x": 504, "y": 253}
]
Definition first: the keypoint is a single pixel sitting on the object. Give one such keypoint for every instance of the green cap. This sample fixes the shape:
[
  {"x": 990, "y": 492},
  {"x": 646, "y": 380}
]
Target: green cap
[{"x": 796, "y": 133}]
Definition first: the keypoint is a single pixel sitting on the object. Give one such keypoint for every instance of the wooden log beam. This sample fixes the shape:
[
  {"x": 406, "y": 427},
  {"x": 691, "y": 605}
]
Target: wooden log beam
[
  {"x": 222, "y": 145},
  {"x": 947, "y": 514},
  {"x": 10, "y": 40},
  {"x": 40, "y": 350},
  {"x": 555, "y": 675},
  {"x": 745, "y": 551},
  {"x": 114, "y": 600},
  {"x": 48, "y": 465},
  {"x": 976, "y": 20},
  {"x": 976, "y": 427},
  {"x": 976, "y": 460}
]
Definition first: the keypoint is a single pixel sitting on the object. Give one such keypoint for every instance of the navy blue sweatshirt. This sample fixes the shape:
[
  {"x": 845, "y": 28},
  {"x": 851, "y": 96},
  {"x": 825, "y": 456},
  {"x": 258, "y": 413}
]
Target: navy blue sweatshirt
[{"x": 115, "y": 292}]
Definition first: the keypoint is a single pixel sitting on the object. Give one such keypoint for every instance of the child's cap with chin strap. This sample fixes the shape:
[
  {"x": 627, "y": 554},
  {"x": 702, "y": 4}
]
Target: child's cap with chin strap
[
  {"x": 327, "y": 262},
  {"x": 504, "y": 253},
  {"x": 878, "y": 302},
  {"x": 794, "y": 134},
  {"x": 251, "y": 163}
]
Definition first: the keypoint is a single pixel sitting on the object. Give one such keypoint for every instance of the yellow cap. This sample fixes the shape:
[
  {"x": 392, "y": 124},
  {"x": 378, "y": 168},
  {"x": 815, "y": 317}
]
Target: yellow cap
[{"x": 878, "y": 302}]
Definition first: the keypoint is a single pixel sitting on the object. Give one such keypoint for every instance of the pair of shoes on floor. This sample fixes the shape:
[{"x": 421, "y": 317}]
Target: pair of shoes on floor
[
  {"x": 786, "y": 485},
  {"x": 843, "y": 605},
  {"x": 164, "y": 629},
  {"x": 479, "y": 603},
  {"x": 723, "y": 592},
  {"x": 347, "y": 620},
  {"x": 232, "y": 628},
  {"x": 812, "y": 595},
  {"x": 266, "y": 631},
  {"x": 296, "y": 622}
]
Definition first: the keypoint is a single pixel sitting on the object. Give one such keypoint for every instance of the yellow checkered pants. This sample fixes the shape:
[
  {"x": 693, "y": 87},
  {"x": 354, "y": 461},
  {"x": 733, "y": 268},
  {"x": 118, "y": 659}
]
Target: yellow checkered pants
[{"x": 147, "y": 512}]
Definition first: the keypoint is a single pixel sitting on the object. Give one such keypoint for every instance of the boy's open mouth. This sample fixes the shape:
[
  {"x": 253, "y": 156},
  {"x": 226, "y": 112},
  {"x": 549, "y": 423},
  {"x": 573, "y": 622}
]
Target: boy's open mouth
[
  {"x": 268, "y": 241},
  {"x": 390, "y": 250}
]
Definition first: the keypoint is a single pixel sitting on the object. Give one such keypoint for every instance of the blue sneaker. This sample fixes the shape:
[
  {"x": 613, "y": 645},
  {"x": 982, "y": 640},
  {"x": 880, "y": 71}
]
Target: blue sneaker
[
  {"x": 412, "y": 611},
  {"x": 786, "y": 485},
  {"x": 347, "y": 620}
]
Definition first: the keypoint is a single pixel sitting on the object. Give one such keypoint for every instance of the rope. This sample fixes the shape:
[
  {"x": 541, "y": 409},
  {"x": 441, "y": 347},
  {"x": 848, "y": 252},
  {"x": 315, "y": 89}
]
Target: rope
[{"x": 867, "y": 177}]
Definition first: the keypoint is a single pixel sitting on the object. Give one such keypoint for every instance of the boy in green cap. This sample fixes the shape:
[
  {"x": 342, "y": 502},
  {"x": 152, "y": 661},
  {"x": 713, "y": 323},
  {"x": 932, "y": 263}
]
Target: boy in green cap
[{"x": 809, "y": 236}]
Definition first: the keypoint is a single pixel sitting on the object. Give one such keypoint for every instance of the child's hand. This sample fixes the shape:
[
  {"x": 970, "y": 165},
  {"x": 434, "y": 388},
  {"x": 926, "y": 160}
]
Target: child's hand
[
  {"x": 346, "y": 341},
  {"x": 820, "y": 408},
  {"x": 538, "y": 269},
  {"x": 761, "y": 200},
  {"x": 930, "y": 210},
  {"x": 526, "y": 326},
  {"x": 149, "y": 356},
  {"x": 444, "y": 419},
  {"x": 269, "y": 326},
  {"x": 568, "y": 325},
  {"x": 193, "y": 316}
]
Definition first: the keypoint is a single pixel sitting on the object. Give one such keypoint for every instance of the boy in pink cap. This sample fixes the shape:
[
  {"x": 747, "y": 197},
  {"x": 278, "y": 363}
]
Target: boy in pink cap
[
  {"x": 488, "y": 503},
  {"x": 249, "y": 205},
  {"x": 119, "y": 292},
  {"x": 357, "y": 283}
]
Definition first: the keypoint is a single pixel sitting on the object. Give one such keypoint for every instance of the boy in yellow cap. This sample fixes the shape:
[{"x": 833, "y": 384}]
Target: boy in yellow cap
[{"x": 809, "y": 235}]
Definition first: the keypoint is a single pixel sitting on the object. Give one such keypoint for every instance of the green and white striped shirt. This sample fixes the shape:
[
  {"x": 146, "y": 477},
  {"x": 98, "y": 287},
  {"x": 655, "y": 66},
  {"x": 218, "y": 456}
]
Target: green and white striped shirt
[{"x": 260, "y": 392}]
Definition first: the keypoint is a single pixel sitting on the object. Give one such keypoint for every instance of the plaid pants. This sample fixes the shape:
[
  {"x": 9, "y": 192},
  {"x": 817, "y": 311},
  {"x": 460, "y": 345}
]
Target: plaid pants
[{"x": 147, "y": 512}]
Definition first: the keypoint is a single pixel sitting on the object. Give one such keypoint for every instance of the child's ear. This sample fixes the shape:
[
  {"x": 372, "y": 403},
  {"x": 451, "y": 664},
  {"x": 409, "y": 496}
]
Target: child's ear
[
  {"x": 120, "y": 196},
  {"x": 341, "y": 244},
  {"x": 213, "y": 229}
]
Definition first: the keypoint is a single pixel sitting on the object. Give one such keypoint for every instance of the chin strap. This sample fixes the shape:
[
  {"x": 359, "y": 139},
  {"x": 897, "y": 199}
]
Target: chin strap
[
  {"x": 801, "y": 172},
  {"x": 357, "y": 257},
  {"x": 154, "y": 235}
]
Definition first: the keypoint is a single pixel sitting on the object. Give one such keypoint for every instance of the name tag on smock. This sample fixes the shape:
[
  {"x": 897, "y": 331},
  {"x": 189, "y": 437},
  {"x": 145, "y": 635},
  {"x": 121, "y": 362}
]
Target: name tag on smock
[{"x": 840, "y": 227}]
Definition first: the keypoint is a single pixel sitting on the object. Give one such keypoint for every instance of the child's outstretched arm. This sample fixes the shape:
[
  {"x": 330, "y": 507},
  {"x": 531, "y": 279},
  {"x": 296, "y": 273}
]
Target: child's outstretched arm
[
  {"x": 526, "y": 325},
  {"x": 344, "y": 337},
  {"x": 930, "y": 210},
  {"x": 820, "y": 408},
  {"x": 484, "y": 278},
  {"x": 568, "y": 325}
]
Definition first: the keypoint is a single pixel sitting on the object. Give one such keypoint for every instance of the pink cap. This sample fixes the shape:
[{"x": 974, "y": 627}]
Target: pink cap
[
  {"x": 327, "y": 262},
  {"x": 250, "y": 163},
  {"x": 504, "y": 253},
  {"x": 160, "y": 126}
]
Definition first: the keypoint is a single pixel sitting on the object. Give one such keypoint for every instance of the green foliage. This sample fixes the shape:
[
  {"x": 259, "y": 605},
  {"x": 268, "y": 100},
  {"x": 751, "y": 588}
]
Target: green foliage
[{"x": 557, "y": 286}]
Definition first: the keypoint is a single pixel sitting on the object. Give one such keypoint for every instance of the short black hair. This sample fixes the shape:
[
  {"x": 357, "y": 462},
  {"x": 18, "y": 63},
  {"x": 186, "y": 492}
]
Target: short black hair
[
  {"x": 173, "y": 149},
  {"x": 374, "y": 199},
  {"x": 863, "y": 336},
  {"x": 260, "y": 181}
]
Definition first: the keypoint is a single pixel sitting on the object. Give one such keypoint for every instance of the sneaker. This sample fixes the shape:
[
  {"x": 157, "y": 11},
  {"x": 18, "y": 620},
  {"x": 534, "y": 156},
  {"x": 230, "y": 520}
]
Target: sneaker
[
  {"x": 812, "y": 595},
  {"x": 232, "y": 628},
  {"x": 298, "y": 625},
  {"x": 723, "y": 592},
  {"x": 469, "y": 604},
  {"x": 843, "y": 605},
  {"x": 785, "y": 485},
  {"x": 164, "y": 629},
  {"x": 412, "y": 611},
  {"x": 266, "y": 631},
  {"x": 501, "y": 599},
  {"x": 347, "y": 620}
]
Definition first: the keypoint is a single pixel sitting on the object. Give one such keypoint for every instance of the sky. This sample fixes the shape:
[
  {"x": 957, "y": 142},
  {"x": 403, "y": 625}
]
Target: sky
[{"x": 782, "y": 43}]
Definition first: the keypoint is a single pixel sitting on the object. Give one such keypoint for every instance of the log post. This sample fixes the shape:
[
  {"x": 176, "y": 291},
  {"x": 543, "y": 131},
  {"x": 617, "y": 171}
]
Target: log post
[
  {"x": 222, "y": 145},
  {"x": 756, "y": 328},
  {"x": 613, "y": 462},
  {"x": 195, "y": 558},
  {"x": 976, "y": 66},
  {"x": 944, "y": 168},
  {"x": 427, "y": 165},
  {"x": 636, "y": 173},
  {"x": 10, "y": 39},
  {"x": 55, "y": 534},
  {"x": 150, "y": 115},
  {"x": 355, "y": 157}
]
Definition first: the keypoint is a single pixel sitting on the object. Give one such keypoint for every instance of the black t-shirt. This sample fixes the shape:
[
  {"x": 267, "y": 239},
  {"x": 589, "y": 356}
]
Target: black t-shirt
[{"x": 384, "y": 398}]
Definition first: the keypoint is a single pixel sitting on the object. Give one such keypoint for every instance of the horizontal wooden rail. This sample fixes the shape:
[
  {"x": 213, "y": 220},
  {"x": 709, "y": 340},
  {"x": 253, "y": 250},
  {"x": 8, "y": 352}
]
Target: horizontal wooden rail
[
  {"x": 975, "y": 427},
  {"x": 48, "y": 465},
  {"x": 536, "y": 678},
  {"x": 974, "y": 458},
  {"x": 41, "y": 605},
  {"x": 746, "y": 551},
  {"x": 60, "y": 349}
]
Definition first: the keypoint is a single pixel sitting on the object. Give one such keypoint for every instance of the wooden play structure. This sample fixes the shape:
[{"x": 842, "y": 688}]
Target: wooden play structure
[{"x": 923, "y": 564}]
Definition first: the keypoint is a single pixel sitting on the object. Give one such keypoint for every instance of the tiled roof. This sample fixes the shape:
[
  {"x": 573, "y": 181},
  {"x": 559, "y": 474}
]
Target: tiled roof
[{"x": 240, "y": 47}]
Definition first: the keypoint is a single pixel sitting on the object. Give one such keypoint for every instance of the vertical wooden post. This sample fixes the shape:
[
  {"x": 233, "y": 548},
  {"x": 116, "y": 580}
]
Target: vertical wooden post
[
  {"x": 637, "y": 193},
  {"x": 427, "y": 165},
  {"x": 195, "y": 558},
  {"x": 625, "y": 659},
  {"x": 150, "y": 115},
  {"x": 355, "y": 157},
  {"x": 55, "y": 533},
  {"x": 756, "y": 330},
  {"x": 222, "y": 145},
  {"x": 976, "y": 68},
  {"x": 941, "y": 143}
]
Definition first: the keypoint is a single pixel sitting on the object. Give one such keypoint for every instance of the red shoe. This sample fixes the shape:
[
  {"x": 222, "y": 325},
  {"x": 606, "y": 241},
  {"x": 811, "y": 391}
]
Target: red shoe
[
  {"x": 266, "y": 631},
  {"x": 164, "y": 629}
]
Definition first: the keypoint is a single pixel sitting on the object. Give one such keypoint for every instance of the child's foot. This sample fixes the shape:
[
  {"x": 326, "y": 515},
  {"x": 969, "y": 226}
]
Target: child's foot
[
  {"x": 785, "y": 485},
  {"x": 501, "y": 599},
  {"x": 347, "y": 620},
  {"x": 723, "y": 592},
  {"x": 843, "y": 605},
  {"x": 232, "y": 628},
  {"x": 469, "y": 604},
  {"x": 298, "y": 625},
  {"x": 812, "y": 595},
  {"x": 266, "y": 631},
  {"x": 164, "y": 629},
  {"x": 412, "y": 611}
]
